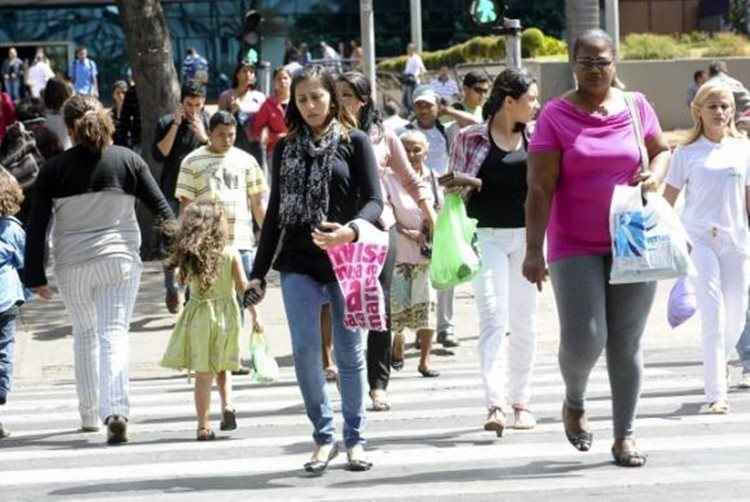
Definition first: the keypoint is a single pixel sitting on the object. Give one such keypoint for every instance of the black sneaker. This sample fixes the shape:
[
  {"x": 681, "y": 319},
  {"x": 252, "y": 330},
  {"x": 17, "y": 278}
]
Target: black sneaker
[
  {"x": 3, "y": 433},
  {"x": 447, "y": 340},
  {"x": 117, "y": 429}
]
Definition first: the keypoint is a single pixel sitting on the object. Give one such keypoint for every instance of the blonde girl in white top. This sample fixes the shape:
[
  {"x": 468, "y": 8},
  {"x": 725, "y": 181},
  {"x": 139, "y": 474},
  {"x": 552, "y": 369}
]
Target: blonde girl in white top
[{"x": 712, "y": 168}]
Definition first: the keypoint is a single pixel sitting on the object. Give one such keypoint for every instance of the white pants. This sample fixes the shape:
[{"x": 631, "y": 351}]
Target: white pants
[
  {"x": 721, "y": 294},
  {"x": 99, "y": 297},
  {"x": 504, "y": 298}
]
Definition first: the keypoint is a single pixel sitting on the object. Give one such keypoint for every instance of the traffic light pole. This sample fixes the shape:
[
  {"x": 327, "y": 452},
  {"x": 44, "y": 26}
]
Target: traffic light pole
[{"x": 512, "y": 31}]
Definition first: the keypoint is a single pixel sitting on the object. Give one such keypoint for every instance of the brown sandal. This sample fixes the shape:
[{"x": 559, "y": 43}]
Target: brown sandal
[{"x": 205, "y": 434}]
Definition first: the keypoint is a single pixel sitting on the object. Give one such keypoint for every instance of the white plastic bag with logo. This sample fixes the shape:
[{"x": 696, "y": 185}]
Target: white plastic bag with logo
[{"x": 649, "y": 242}]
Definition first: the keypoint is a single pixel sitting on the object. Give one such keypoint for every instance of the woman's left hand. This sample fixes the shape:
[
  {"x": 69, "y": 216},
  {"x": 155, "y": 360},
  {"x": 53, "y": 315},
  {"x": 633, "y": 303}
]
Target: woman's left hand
[
  {"x": 649, "y": 183},
  {"x": 328, "y": 235}
]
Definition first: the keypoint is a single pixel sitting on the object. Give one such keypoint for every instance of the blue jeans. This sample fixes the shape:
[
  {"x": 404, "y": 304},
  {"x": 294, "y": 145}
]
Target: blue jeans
[
  {"x": 743, "y": 346},
  {"x": 7, "y": 343},
  {"x": 13, "y": 88},
  {"x": 303, "y": 298}
]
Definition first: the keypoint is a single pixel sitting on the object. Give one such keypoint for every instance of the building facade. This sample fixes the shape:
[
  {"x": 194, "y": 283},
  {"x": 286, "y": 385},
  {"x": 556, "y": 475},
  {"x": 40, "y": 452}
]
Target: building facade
[{"x": 212, "y": 26}]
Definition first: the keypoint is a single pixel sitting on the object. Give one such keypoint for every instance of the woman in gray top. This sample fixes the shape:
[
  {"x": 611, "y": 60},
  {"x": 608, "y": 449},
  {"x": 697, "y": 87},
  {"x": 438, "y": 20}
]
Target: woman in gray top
[{"x": 91, "y": 189}]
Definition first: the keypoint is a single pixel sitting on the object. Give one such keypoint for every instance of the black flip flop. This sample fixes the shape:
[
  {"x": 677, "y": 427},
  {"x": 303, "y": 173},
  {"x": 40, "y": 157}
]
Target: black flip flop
[
  {"x": 228, "y": 420},
  {"x": 205, "y": 434},
  {"x": 627, "y": 458},
  {"x": 582, "y": 440},
  {"x": 428, "y": 373}
]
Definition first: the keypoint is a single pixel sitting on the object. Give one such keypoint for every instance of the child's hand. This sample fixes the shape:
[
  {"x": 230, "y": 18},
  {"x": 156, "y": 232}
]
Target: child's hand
[
  {"x": 44, "y": 292},
  {"x": 256, "y": 290}
]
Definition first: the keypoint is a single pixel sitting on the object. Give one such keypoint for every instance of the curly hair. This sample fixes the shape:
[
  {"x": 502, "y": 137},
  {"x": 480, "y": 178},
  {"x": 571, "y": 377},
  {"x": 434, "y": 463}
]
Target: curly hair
[
  {"x": 199, "y": 242},
  {"x": 11, "y": 195}
]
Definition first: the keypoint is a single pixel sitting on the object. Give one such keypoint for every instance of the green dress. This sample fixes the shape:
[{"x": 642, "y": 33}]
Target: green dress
[{"x": 206, "y": 336}]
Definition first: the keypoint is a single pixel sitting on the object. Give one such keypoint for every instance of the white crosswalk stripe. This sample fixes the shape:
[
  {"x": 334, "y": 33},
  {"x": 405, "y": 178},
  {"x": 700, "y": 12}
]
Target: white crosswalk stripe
[{"x": 430, "y": 443}]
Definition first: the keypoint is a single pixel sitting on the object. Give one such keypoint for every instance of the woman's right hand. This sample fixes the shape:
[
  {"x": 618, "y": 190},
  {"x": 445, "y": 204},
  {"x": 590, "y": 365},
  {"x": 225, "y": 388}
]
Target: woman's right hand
[
  {"x": 255, "y": 292},
  {"x": 44, "y": 292},
  {"x": 535, "y": 267}
]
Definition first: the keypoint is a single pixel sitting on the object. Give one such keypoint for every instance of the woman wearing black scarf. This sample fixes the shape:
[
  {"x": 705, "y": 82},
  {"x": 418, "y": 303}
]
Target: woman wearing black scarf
[{"x": 324, "y": 177}]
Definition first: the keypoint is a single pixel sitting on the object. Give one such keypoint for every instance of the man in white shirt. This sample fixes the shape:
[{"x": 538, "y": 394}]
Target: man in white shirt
[
  {"x": 412, "y": 76},
  {"x": 39, "y": 73},
  {"x": 444, "y": 86}
]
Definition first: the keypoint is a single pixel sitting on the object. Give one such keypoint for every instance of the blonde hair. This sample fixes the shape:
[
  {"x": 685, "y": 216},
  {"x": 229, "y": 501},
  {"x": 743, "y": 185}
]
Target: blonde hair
[
  {"x": 414, "y": 136},
  {"x": 706, "y": 91}
]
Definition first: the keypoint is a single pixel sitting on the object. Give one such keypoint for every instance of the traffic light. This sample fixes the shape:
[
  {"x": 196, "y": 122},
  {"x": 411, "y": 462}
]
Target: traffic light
[
  {"x": 487, "y": 13},
  {"x": 251, "y": 37}
]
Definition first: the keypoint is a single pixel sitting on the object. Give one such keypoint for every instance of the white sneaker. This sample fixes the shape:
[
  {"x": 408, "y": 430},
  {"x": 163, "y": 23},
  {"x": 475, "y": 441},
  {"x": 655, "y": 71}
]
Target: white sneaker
[
  {"x": 523, "y": 419},
  {"x": 720, "y": 407},
  {"x": 745, "y": 381}
]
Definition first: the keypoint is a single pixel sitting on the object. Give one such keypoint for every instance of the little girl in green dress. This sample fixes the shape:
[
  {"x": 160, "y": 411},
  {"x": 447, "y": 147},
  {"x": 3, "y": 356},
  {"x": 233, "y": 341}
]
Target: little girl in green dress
[{"x": 205, "y": 338}]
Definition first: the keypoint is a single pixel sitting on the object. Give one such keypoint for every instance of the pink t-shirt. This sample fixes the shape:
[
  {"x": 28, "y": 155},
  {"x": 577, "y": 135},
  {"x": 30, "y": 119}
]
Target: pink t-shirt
[{"x": 597, "y": 153}]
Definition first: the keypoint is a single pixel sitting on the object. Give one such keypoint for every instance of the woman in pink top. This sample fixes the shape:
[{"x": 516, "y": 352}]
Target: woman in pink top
[
  {"x": 584, "y": 144},
  {"x": 271, "y": 115},
  {"x": 413, "y": 300},
  {"x": 355, "y": 91}
]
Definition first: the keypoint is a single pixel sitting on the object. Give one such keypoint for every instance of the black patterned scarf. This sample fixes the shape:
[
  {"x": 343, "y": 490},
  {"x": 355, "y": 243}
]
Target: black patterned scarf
[{"x": 305, "y": 193}]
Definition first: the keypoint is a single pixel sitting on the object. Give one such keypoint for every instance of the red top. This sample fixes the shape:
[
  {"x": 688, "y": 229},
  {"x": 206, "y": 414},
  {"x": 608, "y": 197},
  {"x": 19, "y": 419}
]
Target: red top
[
  {"x": 270, "y": 115},
  {"x": 7, "y": 113}
]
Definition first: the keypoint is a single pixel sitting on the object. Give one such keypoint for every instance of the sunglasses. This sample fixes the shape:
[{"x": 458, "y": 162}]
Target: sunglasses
[
  {"x": 590, "y": 64},
  {"x": 481, "y": 90}
]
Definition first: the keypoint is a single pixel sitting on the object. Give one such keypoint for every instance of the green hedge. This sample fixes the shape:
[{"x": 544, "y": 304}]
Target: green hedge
[
  {"x": 727, "y": 44},
  {"x": 649, "y": 46},
  {"x": 476, "y": 49}
]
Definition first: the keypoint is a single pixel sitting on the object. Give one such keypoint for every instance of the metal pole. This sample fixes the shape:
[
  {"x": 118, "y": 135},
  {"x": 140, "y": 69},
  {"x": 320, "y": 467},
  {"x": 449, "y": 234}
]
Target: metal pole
[
  {"x": 513, "y": 43},
  {"x": 612, "y": 21},
  {"x": 415, "y": 8},
  {"x": 367, "y": 27}
]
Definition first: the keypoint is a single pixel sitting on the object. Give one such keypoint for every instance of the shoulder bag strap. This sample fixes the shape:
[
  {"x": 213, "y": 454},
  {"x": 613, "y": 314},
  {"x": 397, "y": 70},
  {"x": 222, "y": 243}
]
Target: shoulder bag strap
[{"x": 635, "y": 119}]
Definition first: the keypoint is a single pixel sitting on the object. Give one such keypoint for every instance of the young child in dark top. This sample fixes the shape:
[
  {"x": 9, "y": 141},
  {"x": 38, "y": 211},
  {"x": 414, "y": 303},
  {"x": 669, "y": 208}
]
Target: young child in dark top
[{"x": 12, "y": 244}]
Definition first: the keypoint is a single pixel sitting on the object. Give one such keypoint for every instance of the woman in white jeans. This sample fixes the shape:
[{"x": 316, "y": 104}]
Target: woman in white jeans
[
  {"x": 91, "y": 189},
  {"x": 712, "y": 167},
  {"x": 491, "y": 158}
]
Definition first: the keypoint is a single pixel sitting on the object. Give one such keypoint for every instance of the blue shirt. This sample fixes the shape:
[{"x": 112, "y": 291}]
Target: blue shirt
[
  {"x": 83, "y": 74},
  {"x": 195, "y": 68},
  {"x": 12, "y": 246}
]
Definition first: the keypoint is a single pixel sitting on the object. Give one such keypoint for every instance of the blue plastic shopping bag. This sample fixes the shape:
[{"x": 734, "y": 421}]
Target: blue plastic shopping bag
[{"x": 648, "y": 241}]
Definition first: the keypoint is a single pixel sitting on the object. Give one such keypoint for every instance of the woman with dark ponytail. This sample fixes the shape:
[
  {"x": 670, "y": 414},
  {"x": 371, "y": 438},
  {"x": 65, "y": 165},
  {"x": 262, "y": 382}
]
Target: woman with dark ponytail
[
  {"x": 91, "y": 188},
  {"x": 491, "y": 158},
  {"x": 355, "y": 91}
]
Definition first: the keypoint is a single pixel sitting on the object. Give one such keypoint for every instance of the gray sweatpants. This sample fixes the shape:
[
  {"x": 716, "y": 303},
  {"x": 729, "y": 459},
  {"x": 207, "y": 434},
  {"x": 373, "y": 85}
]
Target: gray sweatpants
[{"x": 593, "y": 315}]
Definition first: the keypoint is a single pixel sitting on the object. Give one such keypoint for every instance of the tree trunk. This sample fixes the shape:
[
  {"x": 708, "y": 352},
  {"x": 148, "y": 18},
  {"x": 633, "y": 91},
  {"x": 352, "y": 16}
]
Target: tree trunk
[
  {"x": 150, "y": 56},
  {"x": 580, "y": 15}
]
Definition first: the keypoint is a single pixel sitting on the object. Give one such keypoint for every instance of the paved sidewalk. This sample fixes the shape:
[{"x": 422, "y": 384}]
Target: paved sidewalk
[{"x": 44, "y": 349}]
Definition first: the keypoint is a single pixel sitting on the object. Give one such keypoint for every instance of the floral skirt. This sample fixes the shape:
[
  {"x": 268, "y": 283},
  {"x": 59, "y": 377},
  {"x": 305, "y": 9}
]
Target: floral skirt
[{"x": 413, "y": 300}]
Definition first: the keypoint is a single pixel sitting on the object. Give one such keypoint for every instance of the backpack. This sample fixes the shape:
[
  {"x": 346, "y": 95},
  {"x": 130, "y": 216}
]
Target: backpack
[{"x": 20, "y": 155}]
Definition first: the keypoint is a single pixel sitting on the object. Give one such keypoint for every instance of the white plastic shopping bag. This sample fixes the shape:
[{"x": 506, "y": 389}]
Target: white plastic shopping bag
[{"x": 649, "y": 242}]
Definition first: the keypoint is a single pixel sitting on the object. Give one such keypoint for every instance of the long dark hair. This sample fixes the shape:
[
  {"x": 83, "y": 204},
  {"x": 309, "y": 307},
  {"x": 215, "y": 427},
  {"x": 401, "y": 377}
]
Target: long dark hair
[
  {"x": 235, "y": 79},
  {"x": 512, "y": 82},
  {"x": 294, "y": 120},
  {"x": 369, "y": 116}
]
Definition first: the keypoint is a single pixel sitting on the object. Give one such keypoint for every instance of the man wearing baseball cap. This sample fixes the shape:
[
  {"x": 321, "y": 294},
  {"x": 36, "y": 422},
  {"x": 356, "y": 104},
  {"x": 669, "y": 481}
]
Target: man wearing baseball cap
[{"x": 426, "y": 111}]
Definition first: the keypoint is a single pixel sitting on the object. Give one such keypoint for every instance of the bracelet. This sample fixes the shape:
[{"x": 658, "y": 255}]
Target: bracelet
[{"x": 354, "y": 227}]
